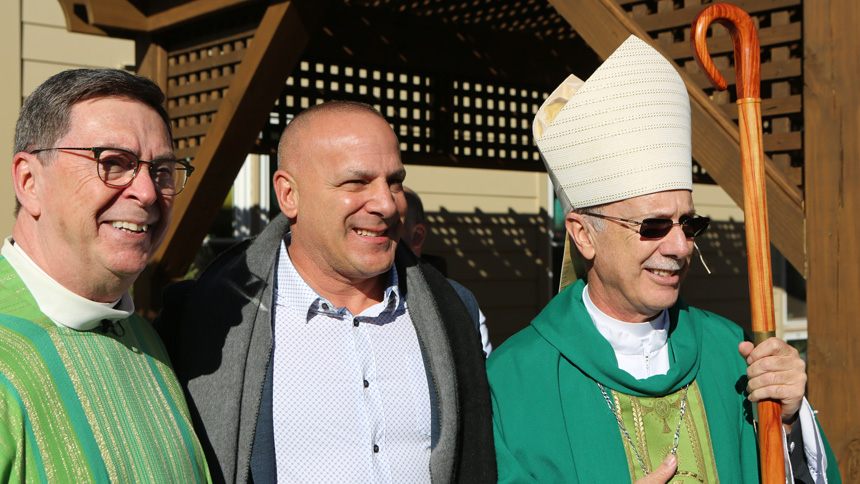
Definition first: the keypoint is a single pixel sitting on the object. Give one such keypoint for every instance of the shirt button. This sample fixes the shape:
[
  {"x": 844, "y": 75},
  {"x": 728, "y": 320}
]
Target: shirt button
[
  {"x": 366, "y": 383},
  {"x": 375, "y": 449},
  {"x": 325, "y": 307},
  {"x": 355, "y": 322}
]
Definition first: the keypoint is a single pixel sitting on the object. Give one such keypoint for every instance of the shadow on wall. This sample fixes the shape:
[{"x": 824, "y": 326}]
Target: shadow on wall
[
  {"x": 503, "y": 258},
  {"x": 726, "y": 290}
]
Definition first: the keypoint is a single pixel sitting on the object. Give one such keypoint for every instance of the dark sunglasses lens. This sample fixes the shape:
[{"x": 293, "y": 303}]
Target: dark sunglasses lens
[
  {"x": 695, "y": 226},
  {"x": 655, "y": 228}
]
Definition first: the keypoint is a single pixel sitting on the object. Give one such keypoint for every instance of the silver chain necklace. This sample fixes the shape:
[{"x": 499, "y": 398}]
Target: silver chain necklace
[{"x": 627, "y": 434}]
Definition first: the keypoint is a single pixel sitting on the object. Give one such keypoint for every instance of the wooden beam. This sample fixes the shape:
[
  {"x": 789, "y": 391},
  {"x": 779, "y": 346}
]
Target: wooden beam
[
  {"x": 277, "y": 45},
  {"x": 604, "y": 26},
  {"x": 186, "y": 12},
  {"x": 151, "y": 60},
  {"x": 832, "y": 181},
  {"x": 116, "y": 14},
  {"x": 108, "y": 15},
  {"x": 74, "y": 22}
]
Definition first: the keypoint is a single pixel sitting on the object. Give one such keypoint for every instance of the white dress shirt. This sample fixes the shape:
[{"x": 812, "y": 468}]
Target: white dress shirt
[{"x": 351, "y": 396}]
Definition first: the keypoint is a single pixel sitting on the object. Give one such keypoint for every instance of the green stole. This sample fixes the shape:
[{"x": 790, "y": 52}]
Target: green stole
[{"x": 586, "y": 357}]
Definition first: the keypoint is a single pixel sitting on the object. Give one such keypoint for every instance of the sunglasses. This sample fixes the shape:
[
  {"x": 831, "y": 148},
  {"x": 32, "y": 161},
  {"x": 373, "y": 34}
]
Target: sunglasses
[{"x": 657, "y": 228}]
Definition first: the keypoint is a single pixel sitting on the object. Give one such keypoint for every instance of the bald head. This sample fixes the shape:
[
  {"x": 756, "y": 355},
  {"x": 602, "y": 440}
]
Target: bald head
[{"x": 303, "y": 128}]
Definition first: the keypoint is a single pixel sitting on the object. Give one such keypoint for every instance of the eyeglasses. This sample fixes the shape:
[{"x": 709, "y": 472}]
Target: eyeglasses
[
  {"x": 118, "y": 167},
  {"x": 657, "y": 228}
]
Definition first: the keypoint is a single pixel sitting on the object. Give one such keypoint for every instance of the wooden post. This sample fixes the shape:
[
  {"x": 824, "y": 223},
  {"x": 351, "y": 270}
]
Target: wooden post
[{"x": 832, "y": 185}]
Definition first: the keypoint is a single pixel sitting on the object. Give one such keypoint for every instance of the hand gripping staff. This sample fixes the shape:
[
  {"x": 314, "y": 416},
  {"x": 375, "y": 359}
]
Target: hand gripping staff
[{"x": 748, "y": 74}]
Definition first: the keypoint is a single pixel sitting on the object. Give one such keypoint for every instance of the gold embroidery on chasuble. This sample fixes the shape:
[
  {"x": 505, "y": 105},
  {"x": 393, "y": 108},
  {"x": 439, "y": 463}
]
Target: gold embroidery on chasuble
[
  {"x": 652, "y": 422},
  {"x": 22, "y": 364}
]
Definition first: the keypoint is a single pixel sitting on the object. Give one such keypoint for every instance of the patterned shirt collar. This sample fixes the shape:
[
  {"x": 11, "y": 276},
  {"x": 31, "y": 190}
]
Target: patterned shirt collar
[{"x": 294, "y": 292}]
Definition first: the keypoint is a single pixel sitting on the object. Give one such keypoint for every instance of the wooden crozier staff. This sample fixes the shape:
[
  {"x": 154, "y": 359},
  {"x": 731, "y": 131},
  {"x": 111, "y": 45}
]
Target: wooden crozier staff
[{"x": 748, "y": 75}]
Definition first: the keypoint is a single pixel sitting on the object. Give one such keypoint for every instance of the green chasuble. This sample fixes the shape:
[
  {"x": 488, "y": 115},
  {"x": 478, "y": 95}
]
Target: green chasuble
[
  {"x": 88, "y": 406},
  {"x": 553, "y": 425}
]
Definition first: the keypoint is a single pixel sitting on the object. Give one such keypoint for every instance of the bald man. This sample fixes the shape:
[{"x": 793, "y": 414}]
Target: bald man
[{"x": 322, "y": 351}]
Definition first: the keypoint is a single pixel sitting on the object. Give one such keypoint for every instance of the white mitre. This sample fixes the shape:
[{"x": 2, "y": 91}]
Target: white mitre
[{"x": 622, "y": 133}]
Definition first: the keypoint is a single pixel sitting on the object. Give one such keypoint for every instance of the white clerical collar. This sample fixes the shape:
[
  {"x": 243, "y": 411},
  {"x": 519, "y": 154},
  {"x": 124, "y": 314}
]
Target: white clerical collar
[
  {"x": 64, "y": 307},
  {"x": 628, "y": 338}
]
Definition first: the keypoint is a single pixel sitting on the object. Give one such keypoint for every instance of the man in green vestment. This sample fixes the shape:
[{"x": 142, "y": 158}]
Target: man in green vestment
[
  {"x": 617, "y": 379},
  {"x": 87, "y": 393}
]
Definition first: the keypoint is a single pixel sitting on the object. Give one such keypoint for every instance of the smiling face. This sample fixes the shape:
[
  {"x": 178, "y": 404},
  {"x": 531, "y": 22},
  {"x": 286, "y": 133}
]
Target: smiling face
[
  {"x": 342, "y": 188},
  {"x": 91, "y": 238},
  {"x": 631, "y": 278}
]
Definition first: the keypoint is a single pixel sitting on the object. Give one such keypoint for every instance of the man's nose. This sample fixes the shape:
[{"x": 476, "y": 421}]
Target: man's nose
[
  {"x": 142, "y": 186},
  {"x": 381, "y": 200},
  {"x": 676, "y": 244}
]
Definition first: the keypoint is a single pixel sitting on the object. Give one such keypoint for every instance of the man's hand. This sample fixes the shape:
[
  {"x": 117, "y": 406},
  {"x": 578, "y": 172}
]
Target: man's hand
[
  {"x": 776, "y": 372},
  {"x": 662, "y": 474}
]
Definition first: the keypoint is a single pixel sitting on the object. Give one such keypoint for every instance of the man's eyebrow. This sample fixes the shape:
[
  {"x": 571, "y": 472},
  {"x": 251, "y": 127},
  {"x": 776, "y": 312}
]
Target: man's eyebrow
[
  {"x": 167, "y": 155},
  {"x": 170, "y": 156},
  {"x": 359, "y": 173}
]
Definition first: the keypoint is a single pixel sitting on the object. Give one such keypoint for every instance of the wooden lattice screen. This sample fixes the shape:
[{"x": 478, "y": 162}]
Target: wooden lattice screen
[
  {"x": 197, "y": 80},
  {"x": 437, "y": 119},
  {"x": 779, "y": 24}
]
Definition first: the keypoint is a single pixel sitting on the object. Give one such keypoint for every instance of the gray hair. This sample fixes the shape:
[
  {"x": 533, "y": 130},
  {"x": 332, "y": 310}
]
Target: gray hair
[
  {"x": 598, "y": 223},
  {"x": 46, "y": 114}
]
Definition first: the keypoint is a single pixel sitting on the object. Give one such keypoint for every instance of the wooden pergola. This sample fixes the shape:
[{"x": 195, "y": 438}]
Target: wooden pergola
[{"x": 235, "y": 71}]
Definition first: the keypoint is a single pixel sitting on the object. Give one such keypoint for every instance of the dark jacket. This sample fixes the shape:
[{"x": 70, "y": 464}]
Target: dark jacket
[{"x": 218, "y": 331}]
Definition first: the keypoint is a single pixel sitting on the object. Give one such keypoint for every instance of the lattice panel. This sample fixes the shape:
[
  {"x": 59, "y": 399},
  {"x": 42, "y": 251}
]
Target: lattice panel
[
  {"x": 494, "y": 121},
  {"x": 197, "y": 80},
  {"x": 488, "y": 121},
  {"x": 780, "y": 35}
]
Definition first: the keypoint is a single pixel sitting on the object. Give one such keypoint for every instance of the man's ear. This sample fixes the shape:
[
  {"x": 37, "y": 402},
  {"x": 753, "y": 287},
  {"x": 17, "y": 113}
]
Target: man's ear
[
  {"x": 417, "y": 237},
  {"x": 285, "y": 190},
  {"x": 25, "y": 170},
  {"x": 581, "y": 233}
]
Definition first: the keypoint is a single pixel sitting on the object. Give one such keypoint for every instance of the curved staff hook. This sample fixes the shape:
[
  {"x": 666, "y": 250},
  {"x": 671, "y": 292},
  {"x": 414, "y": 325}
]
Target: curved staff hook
[{"x": 748, "y": 75}]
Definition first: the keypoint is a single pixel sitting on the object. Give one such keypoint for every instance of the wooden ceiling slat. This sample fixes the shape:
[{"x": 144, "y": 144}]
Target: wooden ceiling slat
[
  {"x": 683, "y": 17},
  {"x": 194, "y": 109},
  {"x": 209, "y": 62},
  {"x": 770, "y": 71},
  {"x": 723, "y": 44},
  {"x": 192, "y": 130},
  {"x": 187, "y": 152},
  {"x": 604, "y": 25},
  {"x": 191, "y": 45},
  {"x": 200, "y": 86},
  {"x": 770, "y": 107},
  {"x": 792, "y": 140}
]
